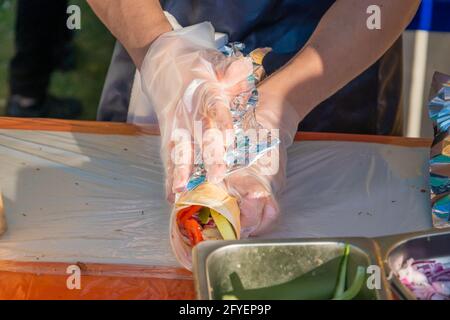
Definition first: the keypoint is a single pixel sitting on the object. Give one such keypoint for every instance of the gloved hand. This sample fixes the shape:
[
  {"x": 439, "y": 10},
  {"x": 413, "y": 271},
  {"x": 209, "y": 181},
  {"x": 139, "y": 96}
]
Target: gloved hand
[
  {"x": 258, "y": 186},
  {"x": 190, "y": 83}
]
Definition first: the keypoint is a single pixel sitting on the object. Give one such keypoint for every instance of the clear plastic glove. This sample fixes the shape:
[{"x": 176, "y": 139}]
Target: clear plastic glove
[
  {"x": 191, "y": 85},
  {"x": 258, "y": 186}
]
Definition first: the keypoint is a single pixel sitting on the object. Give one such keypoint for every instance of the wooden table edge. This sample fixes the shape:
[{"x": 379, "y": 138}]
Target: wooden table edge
[{"x": 100, "y": 127}]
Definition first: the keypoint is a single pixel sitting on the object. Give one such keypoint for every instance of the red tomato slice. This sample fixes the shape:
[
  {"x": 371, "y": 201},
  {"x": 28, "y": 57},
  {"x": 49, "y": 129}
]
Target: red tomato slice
[
  {"x": 194, "y": 231},
  {"x": 187, "y": 213}
]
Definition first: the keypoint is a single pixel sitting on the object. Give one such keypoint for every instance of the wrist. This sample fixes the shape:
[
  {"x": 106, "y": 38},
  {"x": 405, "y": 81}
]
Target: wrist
[
  {"x": 140, "y": 49},
  {"x": 297, "y": 82},
  {"x": 274, "y": 111},
  {"x": 272, "y": 95}
]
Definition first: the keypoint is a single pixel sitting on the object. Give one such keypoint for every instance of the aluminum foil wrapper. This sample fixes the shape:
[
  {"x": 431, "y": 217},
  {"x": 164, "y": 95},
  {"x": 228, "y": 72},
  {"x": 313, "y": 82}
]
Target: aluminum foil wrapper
[
  {"x": 439, "y": 112},
  {"x": 245, "y": 150}
]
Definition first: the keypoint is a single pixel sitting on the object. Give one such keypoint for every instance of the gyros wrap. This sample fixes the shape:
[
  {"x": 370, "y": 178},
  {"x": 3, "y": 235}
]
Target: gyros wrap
[{"x": 187, "y": 228}]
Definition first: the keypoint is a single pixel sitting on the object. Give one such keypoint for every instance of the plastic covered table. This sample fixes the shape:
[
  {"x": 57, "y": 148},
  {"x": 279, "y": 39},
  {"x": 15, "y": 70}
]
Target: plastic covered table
[{"x": 91, "y": 194}]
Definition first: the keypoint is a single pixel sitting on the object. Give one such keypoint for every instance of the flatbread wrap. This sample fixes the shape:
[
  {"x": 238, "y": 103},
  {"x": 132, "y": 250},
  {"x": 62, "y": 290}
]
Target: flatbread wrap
[{"x": 207, "y": 212}]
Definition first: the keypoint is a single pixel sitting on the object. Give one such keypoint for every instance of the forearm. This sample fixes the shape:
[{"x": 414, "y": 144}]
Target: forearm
[
  {"x": 135, "y": 23},
  {"x": 340, "y": 49}
]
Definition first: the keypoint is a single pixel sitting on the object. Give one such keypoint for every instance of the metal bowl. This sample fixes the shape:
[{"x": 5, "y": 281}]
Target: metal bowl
[
  {"x": 395, "y": 250},
  {"x": 262, "y": 263}
]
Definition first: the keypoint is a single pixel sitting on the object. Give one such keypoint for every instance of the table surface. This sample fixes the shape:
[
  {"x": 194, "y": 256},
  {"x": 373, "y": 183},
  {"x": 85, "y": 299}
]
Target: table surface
[
  {"x": 129, "y": 129},
  {"x": 44, "y": 280}
]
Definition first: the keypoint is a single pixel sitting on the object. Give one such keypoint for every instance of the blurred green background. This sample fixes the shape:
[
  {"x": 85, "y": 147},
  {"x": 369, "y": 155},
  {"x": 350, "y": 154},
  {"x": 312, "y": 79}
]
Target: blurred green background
[{"x": 94, "y": 45}]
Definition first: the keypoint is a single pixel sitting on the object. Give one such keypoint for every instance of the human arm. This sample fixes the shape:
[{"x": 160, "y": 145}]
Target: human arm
[
  {"x": 341, "y": 48},
  {"x": 135, "y": 23}
]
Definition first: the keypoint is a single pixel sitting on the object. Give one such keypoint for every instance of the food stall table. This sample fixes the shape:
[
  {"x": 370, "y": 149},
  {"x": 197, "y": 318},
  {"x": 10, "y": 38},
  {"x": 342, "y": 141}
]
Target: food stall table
[{"x": 91, "y": 194}]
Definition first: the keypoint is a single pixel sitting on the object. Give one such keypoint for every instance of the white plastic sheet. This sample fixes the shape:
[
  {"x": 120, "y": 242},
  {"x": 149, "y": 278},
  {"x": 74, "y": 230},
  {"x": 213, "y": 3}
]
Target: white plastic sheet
[{"x": 100, "y": 198}]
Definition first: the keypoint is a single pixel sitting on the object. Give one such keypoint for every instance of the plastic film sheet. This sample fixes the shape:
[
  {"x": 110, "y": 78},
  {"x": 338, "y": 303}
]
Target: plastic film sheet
[{"x": 100, "y": 198}]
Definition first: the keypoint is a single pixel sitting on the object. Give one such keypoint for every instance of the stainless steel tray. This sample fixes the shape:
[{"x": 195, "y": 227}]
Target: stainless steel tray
[
  {"x": 395, "y": 250},
  {"x": 261, "y": 263}
]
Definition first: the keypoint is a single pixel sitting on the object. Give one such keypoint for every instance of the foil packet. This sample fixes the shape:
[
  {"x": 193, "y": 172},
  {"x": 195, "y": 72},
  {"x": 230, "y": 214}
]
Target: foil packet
[
  {"x": 245, "y": 150},
  {"x": 439, "y": 112}
]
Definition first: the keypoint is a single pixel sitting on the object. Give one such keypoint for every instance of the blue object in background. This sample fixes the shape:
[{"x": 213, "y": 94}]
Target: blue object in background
[{"x": 433, "y": 15}]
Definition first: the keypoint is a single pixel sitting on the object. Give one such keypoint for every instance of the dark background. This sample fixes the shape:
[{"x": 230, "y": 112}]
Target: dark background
[{"x": 93, "y": 45}]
